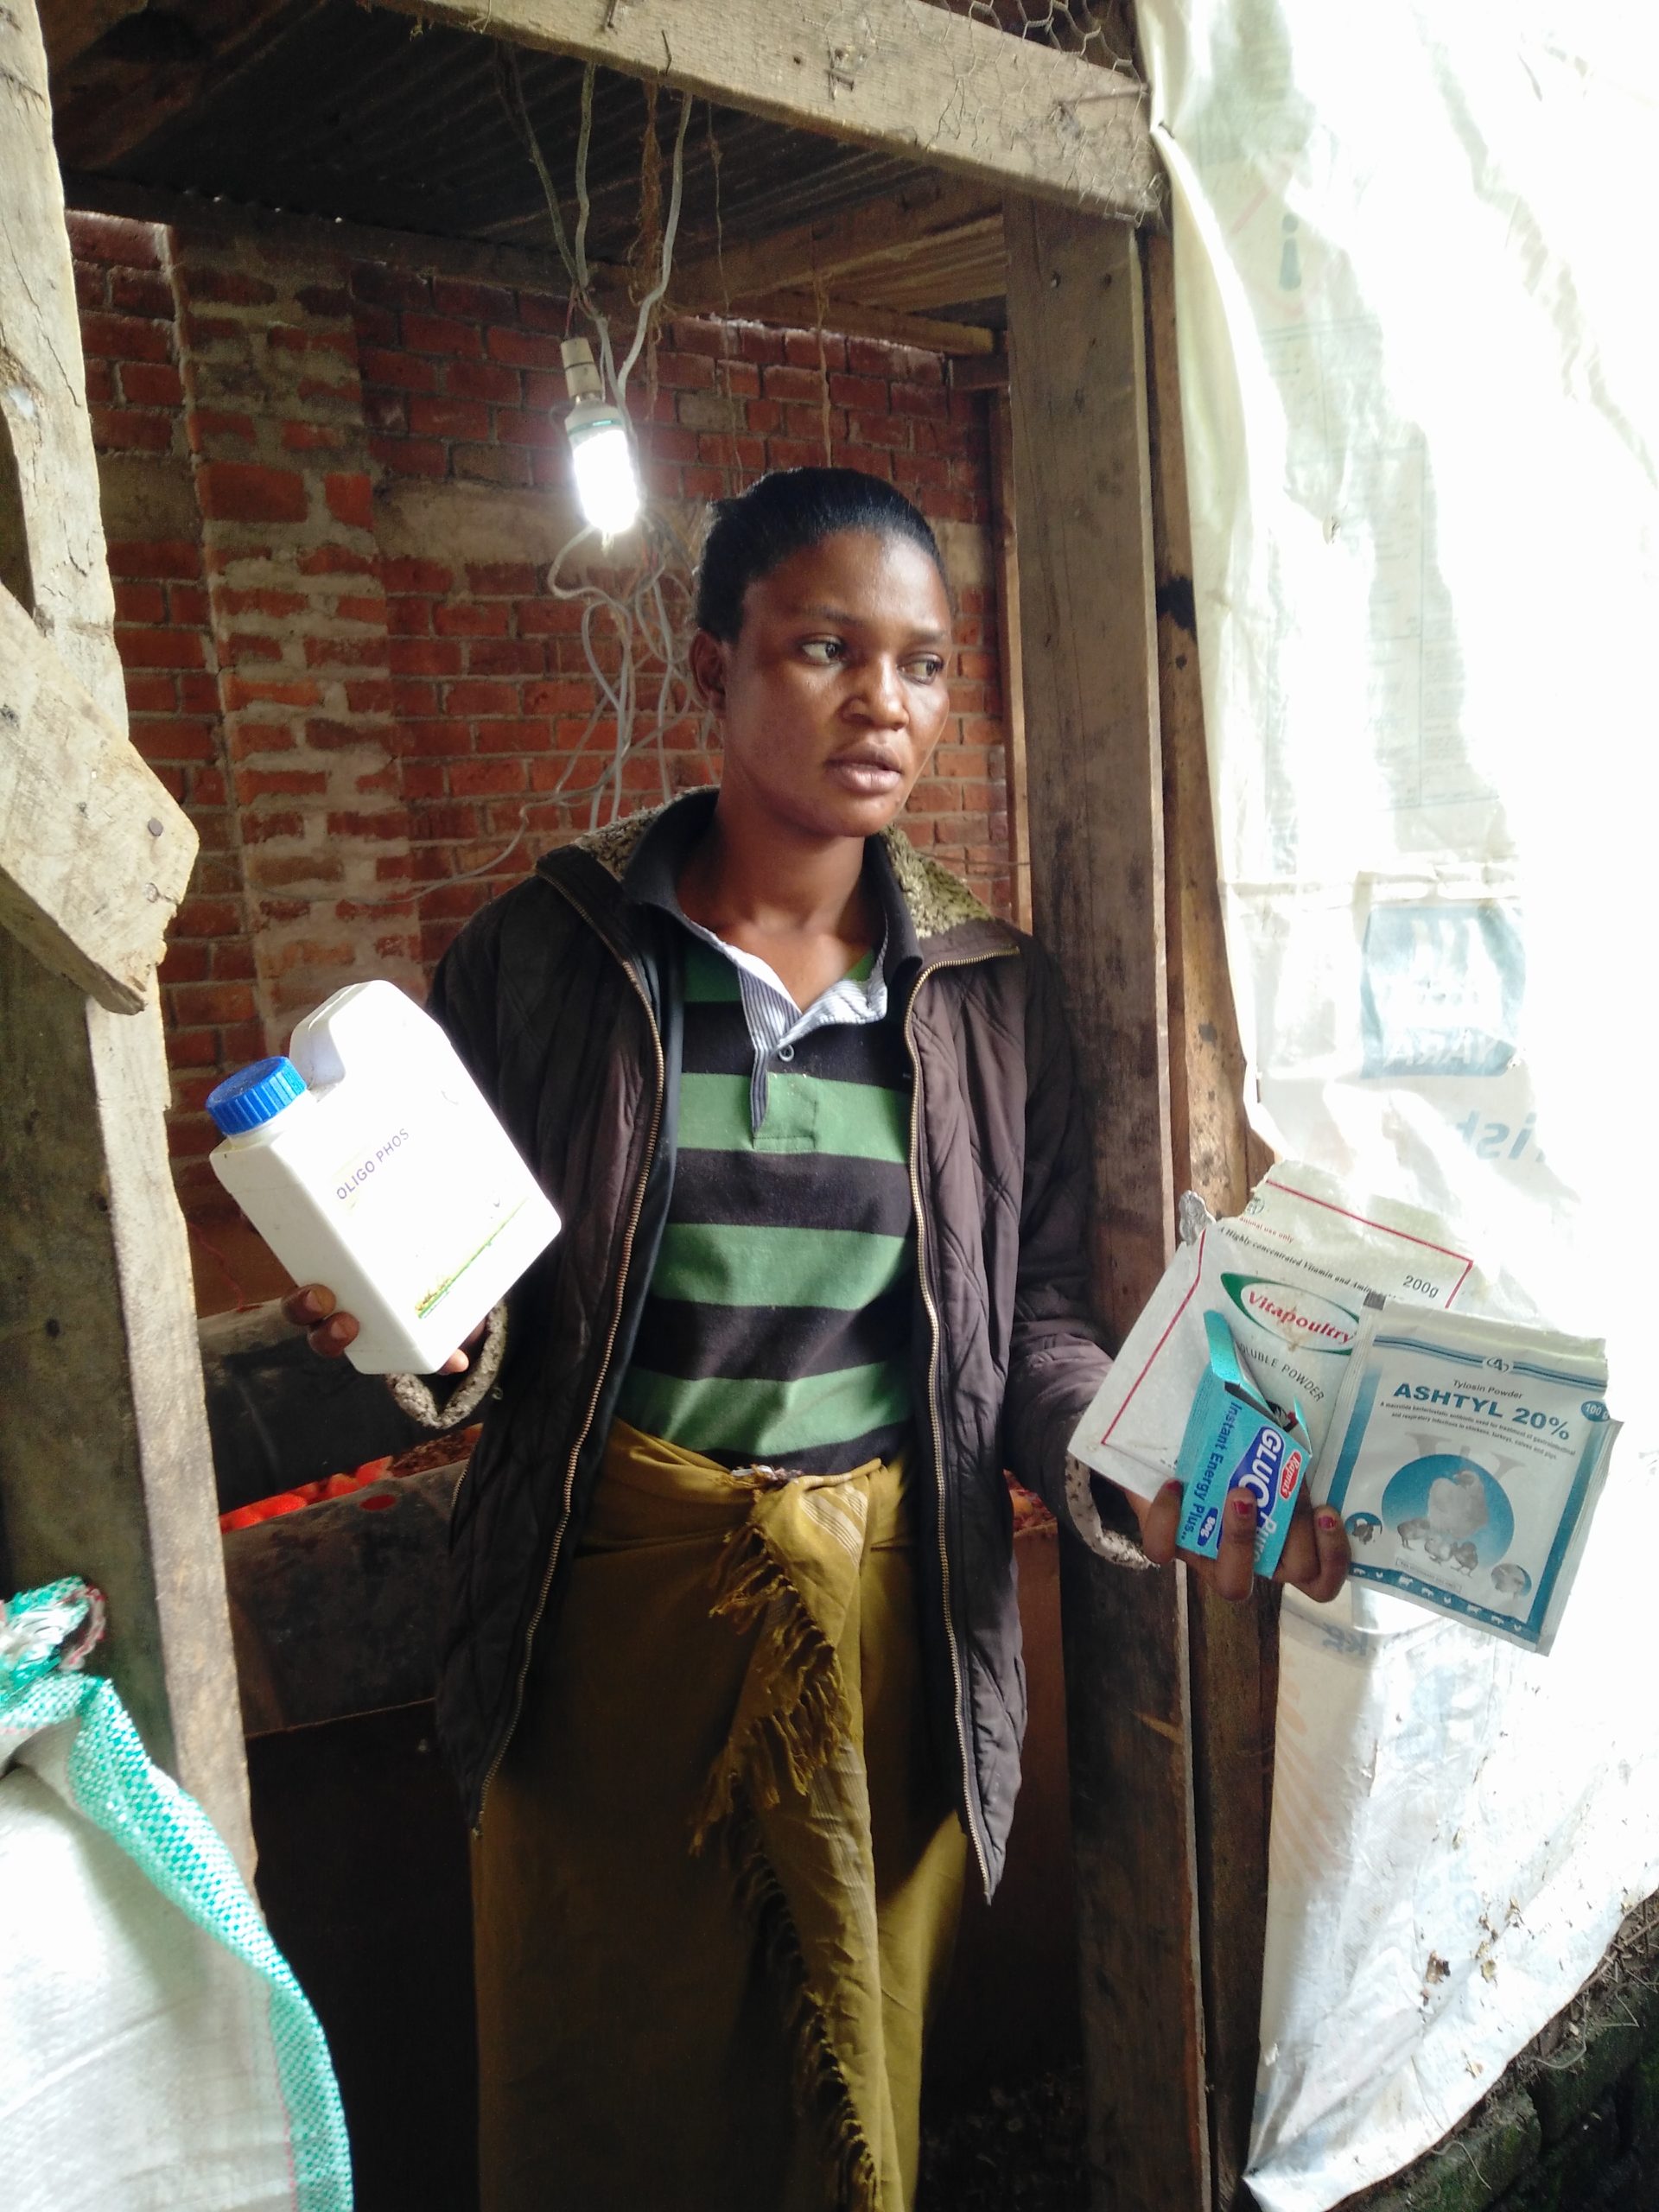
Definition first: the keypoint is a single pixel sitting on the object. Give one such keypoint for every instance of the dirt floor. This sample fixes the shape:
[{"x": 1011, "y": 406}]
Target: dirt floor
[{"x": 1014, "y": 2151}]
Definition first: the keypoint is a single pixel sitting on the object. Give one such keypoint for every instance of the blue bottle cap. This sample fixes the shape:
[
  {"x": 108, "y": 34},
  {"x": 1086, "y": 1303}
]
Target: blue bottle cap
[{"x": 255, "y": 1095}]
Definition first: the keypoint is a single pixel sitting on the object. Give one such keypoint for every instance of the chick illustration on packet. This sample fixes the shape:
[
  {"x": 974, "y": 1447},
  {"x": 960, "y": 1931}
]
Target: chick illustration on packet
[{"x": 1235, "y": 1441}]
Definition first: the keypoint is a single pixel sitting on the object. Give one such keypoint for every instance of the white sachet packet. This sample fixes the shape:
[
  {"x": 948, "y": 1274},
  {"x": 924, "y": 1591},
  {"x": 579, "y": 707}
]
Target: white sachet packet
[
  {"x": 1290, "y": 1276},
  {"x": 1466, "y": 1457}
]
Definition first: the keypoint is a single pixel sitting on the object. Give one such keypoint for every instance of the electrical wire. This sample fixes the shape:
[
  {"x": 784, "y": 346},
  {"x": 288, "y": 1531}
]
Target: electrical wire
[
  {"x": 511, "y": 82},
  {"x": 659, "y": 289},
  {"x": 646, "y": 618}
]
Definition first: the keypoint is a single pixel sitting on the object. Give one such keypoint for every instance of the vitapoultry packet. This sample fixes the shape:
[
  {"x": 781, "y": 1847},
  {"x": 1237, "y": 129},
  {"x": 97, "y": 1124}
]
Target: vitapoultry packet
[
  {"x": 1289, "y": 1276},
  {"x": 1466, "y": 1457}
]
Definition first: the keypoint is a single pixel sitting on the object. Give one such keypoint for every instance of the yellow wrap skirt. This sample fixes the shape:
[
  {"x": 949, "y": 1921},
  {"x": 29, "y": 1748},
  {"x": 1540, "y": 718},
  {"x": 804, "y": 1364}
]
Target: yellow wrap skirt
[{"x": 718, "y": 1876}]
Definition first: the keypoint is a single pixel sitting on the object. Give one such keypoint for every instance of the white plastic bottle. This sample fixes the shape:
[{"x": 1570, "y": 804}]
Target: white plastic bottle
[{"x": 368, "y": 1161}]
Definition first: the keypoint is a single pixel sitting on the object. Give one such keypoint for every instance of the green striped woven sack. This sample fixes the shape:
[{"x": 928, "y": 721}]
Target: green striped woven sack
[{"x": 143, "y": 2069}]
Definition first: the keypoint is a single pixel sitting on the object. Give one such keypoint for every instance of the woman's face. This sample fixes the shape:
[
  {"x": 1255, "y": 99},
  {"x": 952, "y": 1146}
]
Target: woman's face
[{"x": 834, "y": 692}]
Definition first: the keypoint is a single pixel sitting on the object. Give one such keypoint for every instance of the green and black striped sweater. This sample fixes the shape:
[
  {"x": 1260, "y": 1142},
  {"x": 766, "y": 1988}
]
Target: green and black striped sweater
[{"x": 777, "y": 1329}]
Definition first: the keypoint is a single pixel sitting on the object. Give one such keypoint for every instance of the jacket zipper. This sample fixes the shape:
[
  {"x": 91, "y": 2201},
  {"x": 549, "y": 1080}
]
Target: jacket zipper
[
  {"x": 605, "y": 1362},
  {"x": 969, "y": 1791}
]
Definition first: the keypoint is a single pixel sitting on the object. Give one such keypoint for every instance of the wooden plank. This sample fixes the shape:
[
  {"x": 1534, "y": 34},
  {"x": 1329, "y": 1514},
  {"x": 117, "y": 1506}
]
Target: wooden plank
[
  {"x": 865, "y": 236},
  {"x": 989, "y": 373},
  {"x": 105, "y": 1466},
  {"x": 1010, "y": 656},
  {"x": 937, "y": 275},
  {"x": 902, "y": 76},
  {"x": 1234, "y": 1649},
  {"x": 977, "y": 274},
  {"x": 94, "y": 852},
  {"x": 1234, "y": 1671},
  {"x": 1078, "y": 403},
  {"x": 801, "y": 311},
  {"x": 1127, "y": 1737},
  {"x": 1207, "y": 1071}
]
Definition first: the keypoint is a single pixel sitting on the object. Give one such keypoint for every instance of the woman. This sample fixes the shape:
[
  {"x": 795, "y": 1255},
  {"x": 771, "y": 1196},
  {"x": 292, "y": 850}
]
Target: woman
[{"x": 732, "y": 1680}]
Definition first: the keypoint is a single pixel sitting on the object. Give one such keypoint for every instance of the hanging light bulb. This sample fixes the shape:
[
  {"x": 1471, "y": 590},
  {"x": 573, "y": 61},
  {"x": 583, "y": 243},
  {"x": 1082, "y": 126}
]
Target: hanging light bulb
[{"x": 601, "y": 448}]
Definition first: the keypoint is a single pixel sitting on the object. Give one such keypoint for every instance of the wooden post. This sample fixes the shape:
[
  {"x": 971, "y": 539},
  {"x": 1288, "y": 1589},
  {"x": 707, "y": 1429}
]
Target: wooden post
[
  {"x": 1083, "y": 492},
  {"x": 105, "y": 1469},
  {"x": 1009, "y": 657},
  {"x": 1234, "y": 1649},
  {"x": 94, "y": 853}
]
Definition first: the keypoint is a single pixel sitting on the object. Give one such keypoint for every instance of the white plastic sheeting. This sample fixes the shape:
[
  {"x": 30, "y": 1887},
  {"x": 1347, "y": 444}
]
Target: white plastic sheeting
[{"x": 1418, "y": 357}]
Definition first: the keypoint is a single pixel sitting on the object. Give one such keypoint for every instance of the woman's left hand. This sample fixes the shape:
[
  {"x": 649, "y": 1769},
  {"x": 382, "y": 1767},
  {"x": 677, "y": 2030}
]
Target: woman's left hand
[{"x": 1314, "y": 1561}]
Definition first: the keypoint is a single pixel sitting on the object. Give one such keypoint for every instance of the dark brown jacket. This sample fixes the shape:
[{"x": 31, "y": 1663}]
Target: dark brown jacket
[{"x": 565, "y": 998}]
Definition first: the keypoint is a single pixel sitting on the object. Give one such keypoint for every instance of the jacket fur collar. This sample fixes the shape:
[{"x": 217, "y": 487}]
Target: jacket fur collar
[{"x": 935, "y": 900}]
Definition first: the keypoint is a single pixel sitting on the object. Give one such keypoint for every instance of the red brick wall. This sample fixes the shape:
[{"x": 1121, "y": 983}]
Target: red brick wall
[
  {"x": 354, "y": 717},
  {"x": 490, "y": 687},
  {"x": 282, "y": 479}
]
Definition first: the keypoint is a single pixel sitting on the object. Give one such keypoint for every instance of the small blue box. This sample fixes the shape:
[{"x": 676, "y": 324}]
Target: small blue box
[{"x": 1235, "y": 1440}]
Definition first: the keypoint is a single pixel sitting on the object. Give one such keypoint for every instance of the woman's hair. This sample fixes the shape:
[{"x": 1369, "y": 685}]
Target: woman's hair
[{"x": 750, "y": 536}]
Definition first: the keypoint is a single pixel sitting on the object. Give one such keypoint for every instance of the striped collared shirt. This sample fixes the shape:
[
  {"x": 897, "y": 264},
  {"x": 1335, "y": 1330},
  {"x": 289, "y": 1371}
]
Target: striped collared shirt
[
  {"x": 776, "y": 1024},
  {"x": 778, "y": 1322}
]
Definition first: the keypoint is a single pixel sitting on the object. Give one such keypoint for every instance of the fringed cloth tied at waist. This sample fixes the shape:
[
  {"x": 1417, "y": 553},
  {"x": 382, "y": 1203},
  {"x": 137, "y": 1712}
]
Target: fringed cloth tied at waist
[{"x": 718, "y": 1876}]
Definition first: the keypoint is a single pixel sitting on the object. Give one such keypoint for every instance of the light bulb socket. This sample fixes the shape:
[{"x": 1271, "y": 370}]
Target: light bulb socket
[{"x": 581, "y": 377}]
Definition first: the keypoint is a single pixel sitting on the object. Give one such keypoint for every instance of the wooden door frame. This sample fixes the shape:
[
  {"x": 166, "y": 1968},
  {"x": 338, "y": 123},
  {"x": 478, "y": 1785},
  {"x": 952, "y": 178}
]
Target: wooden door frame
[{"x": 1170, "y": 1966}]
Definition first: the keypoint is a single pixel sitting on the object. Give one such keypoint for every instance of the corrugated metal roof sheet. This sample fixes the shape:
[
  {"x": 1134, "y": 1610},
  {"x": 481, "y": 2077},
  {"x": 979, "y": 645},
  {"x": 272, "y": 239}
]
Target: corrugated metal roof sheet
[{"x": 353, "y": 112}]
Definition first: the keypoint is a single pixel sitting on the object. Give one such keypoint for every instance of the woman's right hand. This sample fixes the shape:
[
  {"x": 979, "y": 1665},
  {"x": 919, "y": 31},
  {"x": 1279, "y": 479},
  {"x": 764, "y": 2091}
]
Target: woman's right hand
[{"x": 312, "y": 1307}]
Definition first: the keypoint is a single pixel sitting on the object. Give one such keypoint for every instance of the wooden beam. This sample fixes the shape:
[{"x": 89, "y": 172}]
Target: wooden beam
[
  {"x": 1010, "y": 653},
  {"x": 1234, "y": 1649},
  {"x": 865, "y": 236},
  {"x": 986, "y": 373},
  {"x": 1078, "y": 390},
  {"x": 801, "y": 311},
  {"x": 105, "y": 1466},
  {"x": 937, "y": 275},
  {"x": 1210, "y": 1128},
  {"x": 935, "y": 282},
  {"x": 904, "y": 77},
  {"x": 94, "y": 853},
  {"x": 1078, "y": 403}
]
